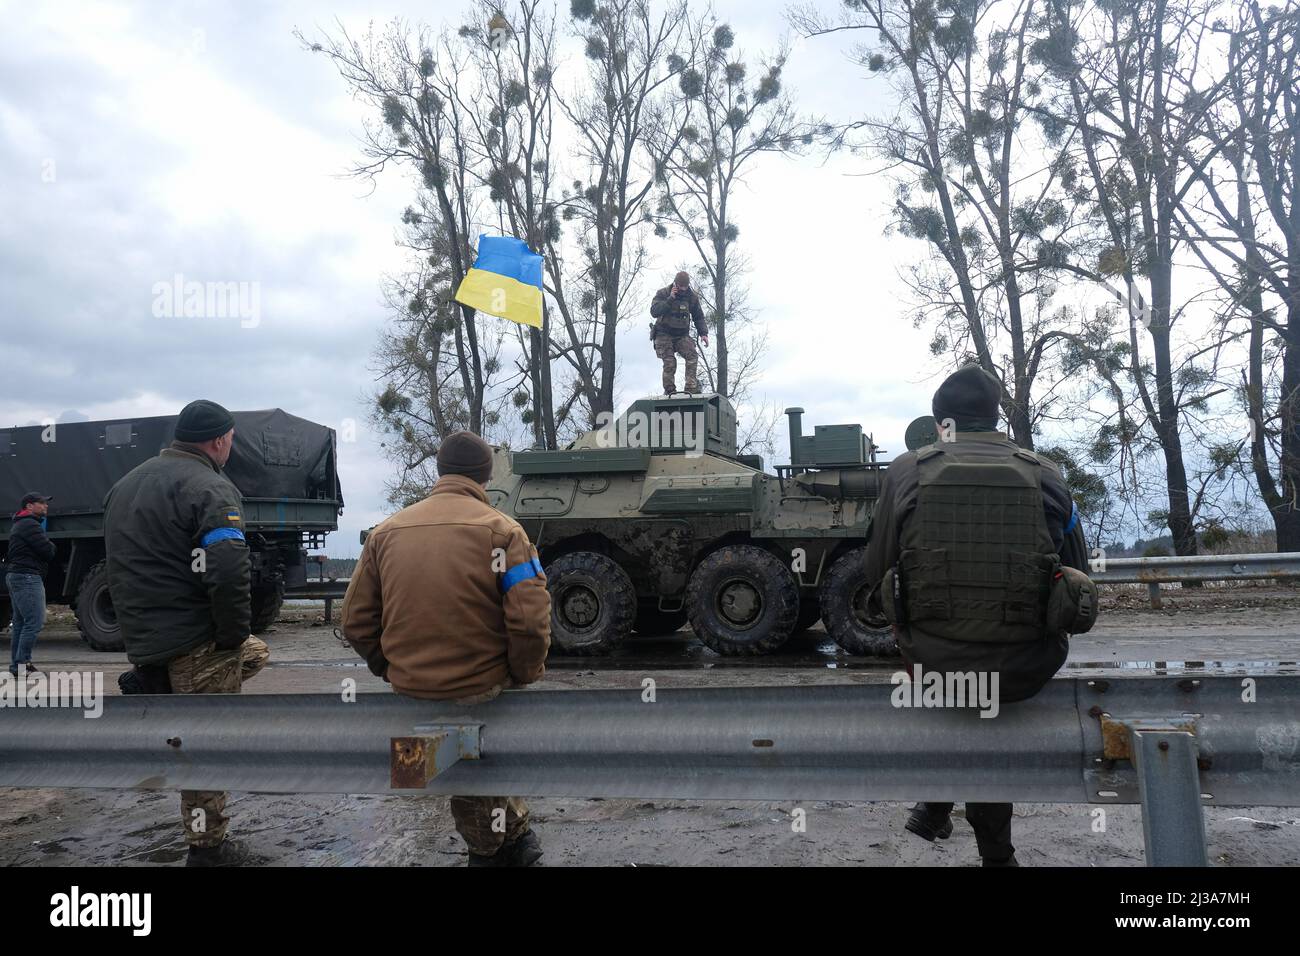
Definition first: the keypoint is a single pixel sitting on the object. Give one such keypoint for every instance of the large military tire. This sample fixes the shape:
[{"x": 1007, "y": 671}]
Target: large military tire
[
  {"x": 94, "y": 609},
  {"x": 266, "y": 603},
  {"x": 652, "y": 622},
  {"x": 593, "y": 603},
  {"x": 742, "y": 600},
  {"x": 844, "y": 609}
]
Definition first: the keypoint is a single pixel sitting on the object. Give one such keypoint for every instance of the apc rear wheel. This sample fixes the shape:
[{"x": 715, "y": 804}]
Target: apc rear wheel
[
  {"x": 96, "y": 619},
  {"x": 742, "y": 600},
  {"x": 844, "y": 609},
  {"x": 593, "y": 603}
]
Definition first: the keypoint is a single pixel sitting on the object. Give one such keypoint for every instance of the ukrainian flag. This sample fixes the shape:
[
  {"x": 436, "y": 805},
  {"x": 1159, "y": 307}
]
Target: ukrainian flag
[{"x": 506, "y": 280}]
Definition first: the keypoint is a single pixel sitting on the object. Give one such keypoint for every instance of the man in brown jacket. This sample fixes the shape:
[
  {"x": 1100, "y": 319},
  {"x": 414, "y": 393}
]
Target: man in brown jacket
[{"x": 449, "y": 602}]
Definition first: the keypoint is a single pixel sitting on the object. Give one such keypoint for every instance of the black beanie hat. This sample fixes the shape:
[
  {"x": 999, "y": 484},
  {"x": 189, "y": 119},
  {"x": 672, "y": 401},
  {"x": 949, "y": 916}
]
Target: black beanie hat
[
  {"x": 464, "y": 453},
  {"x": 968, "y": 396},
  {"x": 202, "y": 421}
]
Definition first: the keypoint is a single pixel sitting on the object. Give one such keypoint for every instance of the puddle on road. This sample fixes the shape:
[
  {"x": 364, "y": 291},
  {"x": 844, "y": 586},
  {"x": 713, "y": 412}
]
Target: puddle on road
[{"x": 1162, "y": 668}]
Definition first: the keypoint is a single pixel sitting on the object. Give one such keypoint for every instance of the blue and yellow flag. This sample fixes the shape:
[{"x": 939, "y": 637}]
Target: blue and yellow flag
[{"x": 506, "y": 280}]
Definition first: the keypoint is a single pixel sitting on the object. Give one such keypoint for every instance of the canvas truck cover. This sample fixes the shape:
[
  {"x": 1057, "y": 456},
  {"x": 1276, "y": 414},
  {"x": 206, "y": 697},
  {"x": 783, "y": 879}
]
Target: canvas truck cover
[{"x": 276, "y": 455}]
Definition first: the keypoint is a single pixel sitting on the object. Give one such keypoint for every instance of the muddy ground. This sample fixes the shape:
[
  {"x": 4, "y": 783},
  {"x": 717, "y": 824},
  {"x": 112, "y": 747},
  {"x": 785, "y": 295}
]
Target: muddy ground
[{"x": 1240, "y": 630}]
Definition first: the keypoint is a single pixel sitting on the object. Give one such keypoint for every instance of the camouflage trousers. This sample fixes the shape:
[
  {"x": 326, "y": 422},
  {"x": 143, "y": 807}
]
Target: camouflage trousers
[
  {"x": 488, "y": 823},
  {"x": 206, "y": 670},
  {"x": 667, "y": 348}
]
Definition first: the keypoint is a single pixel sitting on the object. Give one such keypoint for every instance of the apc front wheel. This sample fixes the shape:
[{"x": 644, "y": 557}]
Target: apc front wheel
[
  {"x": 742, "y": 600},
  {"x": 593, "y": 603}
]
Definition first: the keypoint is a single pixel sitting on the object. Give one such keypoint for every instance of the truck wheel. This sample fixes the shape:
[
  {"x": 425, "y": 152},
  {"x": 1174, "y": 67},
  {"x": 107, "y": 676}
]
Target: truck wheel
[
  {"x": 593, "y": 603},
  {"x": 742, "y": 600},
  {"x": 96, "y": 619},
  {"x": 844, "y": 609},
  {"x": 266, "y": 603},
  {"x": 652, "y": 622}
]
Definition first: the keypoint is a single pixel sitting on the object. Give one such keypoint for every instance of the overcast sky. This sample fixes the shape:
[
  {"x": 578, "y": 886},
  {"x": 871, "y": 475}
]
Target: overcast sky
[{"x": 139, "y": 142}]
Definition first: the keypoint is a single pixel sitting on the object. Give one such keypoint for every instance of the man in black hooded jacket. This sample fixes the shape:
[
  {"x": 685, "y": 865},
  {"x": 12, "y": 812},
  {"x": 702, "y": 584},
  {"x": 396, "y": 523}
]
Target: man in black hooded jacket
[{"x": 29, "y": 556}]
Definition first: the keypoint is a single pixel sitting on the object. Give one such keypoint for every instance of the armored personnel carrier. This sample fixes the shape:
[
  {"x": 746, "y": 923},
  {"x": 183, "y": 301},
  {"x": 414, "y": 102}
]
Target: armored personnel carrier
[
  {"x": 654, "y": 519},
  {"x": 283, "y": 466}
]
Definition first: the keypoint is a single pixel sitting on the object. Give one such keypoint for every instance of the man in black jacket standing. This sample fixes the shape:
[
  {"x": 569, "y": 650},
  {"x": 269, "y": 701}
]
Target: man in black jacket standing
[
  {"x": 178, "y": 571},
  {"x": 30, "y": 554}
]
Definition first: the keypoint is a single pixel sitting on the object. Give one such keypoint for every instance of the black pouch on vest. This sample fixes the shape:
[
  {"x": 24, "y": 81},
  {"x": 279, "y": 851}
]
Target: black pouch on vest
[
  {"x": 891, "y": 597},
  {"x": 1072, "y": 603},
  {"x": 145, "y": 679}
]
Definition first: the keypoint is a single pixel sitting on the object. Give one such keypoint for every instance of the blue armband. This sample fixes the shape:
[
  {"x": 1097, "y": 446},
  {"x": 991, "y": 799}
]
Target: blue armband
[
  {"x": 520, "y": 572},
  {"x": 1074, "y": 518},
  {"x": 221, "y": 534}
]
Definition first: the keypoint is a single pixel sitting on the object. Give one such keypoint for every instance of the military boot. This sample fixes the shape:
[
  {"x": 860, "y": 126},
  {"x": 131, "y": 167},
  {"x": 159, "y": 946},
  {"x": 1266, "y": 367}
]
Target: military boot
[
  {"x": 226, "y": 853},
  {"x": 1007, "y": 861},
  {"x": 526, "y": 850},
  {"x": 929, "y": 825}
]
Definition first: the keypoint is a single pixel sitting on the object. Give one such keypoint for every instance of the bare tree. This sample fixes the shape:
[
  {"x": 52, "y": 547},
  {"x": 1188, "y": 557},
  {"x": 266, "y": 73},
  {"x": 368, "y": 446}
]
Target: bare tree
[
  {"x": 1245, "y": 228},
  {"x": 718, "y": 121},
  {"x": 628, "y": 49},
  {"x": 412, "y": 82},
  {"x": 976, "y": 181},
  {"x": 1130, "y": 78}
]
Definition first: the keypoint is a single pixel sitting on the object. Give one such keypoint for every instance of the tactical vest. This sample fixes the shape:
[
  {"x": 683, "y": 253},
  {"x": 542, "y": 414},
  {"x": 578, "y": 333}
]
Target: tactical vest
[
  {"x": 977, "y": 559},
  {"x": 677, "y": 320}
]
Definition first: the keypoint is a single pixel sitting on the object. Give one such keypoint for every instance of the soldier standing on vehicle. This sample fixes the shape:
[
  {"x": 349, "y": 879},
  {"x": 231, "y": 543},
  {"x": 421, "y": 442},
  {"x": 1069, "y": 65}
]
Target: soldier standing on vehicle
[
  {"x": 674, "y": 308},
  {"x": 448, "y": 602},
  {"x": 981, "y": 565},
  {"x": 29, "y": 557},
  {"x": 178, "y": 573}
]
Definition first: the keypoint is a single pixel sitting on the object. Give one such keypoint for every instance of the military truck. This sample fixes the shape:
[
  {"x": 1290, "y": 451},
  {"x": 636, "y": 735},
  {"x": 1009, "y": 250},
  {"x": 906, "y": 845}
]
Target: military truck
[
  {"x": 655, "y": 519},
  {"x": 283, "y": 466}
]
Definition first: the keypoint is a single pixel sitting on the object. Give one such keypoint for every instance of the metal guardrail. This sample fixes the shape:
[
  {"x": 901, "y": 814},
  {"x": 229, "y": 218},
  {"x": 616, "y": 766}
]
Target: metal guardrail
[
  {"x": 1202, "y": 567},
  {"x": 1170, "y": 744}
]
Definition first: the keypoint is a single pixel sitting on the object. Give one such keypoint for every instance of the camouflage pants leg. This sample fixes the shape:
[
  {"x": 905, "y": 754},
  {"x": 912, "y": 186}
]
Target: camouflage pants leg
[
  {"x": 664, "y": 350},
  {"x": 685, "y": 346},
  {"x": 667, "y": 348},
  {"x": 488, "y": 823},
  {"x": 206, "y": 670}
]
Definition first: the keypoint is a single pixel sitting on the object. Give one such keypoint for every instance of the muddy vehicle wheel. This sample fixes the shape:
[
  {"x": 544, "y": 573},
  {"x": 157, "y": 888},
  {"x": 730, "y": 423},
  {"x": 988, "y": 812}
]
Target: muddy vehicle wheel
[
  {"x": 742, "y": 600},
  {"x": 96, "y": 619},
  {"x": 593, "y": 603},
  {"x": 652, "y": 622},
  {"x": 266, "y": 603},
  {"x": 844, "y": 609}
]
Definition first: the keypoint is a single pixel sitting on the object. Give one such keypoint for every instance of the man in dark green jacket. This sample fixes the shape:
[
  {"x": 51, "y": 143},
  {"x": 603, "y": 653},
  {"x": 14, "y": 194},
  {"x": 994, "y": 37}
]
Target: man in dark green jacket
[
  {"x": 966, "y": 541},
  {"x": 674, "y": 308},
  {"x": 178, "y": 574}
]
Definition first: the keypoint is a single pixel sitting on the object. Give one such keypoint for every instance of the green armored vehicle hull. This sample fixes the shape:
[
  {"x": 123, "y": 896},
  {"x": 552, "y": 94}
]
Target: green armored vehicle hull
[{"x": 654, "y": 520}]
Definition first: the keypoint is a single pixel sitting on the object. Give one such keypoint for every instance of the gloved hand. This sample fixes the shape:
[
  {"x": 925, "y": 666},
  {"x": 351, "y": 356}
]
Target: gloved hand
[{"x": 705, "y": 340}]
